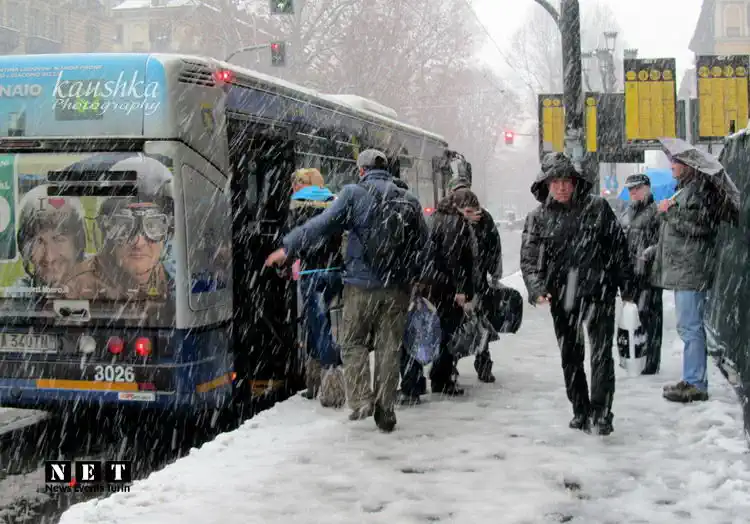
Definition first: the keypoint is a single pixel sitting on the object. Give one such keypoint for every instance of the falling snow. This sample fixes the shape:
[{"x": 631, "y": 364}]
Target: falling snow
[{"x": 501, "y": 454}]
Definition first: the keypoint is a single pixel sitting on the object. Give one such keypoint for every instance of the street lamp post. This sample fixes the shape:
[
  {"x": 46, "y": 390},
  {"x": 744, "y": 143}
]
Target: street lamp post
[{"x": 606, "y": 60}]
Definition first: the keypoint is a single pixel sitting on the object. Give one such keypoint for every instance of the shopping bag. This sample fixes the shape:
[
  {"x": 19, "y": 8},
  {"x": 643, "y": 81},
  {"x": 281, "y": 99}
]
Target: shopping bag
[
  {"x": 472, "y": 335},
  {"x": 631, "y": 338},
  {"x": 422, "y": 335},
  {"x": 503, "y": 308}
]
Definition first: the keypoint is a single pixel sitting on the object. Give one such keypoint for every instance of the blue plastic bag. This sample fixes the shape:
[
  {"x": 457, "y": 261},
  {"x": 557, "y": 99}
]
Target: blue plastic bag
[{"x": 423, "y": 333}]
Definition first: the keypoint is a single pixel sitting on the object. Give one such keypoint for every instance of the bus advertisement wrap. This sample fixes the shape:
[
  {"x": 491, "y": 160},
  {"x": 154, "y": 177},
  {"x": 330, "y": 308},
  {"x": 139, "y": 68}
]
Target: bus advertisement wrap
[
  {"x": 95, "y": 227},
  {"x": 79, "y": 95}
]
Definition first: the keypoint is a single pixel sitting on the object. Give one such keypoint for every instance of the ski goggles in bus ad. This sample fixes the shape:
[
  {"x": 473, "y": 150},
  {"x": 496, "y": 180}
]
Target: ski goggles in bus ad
[{"x": 126, "y": 224}]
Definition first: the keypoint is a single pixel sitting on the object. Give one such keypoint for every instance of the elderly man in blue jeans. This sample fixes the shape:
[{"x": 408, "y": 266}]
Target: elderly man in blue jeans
[{"x": 685, "y": 261}]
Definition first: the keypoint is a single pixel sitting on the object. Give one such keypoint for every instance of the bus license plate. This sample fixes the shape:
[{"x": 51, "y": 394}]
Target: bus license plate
[{"x": 27, "y": 343}]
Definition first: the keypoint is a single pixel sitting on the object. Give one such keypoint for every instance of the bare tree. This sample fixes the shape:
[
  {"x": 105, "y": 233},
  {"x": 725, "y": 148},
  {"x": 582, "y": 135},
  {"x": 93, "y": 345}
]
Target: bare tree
[
  {"x": 536, "y": 52},
  {"x": 472, "y": 109},
  {"x": 314, "y": 33},
  {"x": 416, "y": 57}
]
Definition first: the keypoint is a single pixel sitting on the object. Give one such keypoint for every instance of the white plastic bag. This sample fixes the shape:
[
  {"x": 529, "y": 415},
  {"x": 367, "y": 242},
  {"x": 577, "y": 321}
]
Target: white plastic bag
[{"x": 631, "y": 338}]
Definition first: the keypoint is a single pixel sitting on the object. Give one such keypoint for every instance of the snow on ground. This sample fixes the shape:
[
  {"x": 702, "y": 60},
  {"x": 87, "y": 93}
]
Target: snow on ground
[{"x": 503, "y": 454}]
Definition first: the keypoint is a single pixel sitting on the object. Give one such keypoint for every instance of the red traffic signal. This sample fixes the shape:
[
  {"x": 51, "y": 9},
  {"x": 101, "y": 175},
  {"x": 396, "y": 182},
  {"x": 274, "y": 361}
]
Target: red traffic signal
[
  {"x": 278, "y": 53},
  {"x": 509, "y": 136}
]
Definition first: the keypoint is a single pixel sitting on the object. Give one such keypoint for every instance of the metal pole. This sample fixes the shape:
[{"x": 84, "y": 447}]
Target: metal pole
[
  {"x": 248, "y": 48},
  {"x": 551, "y": 10},
  {"x": 570, "y": 29}
]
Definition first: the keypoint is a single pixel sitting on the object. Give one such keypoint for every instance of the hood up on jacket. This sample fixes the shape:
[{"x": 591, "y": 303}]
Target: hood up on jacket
[
  {"x": 315, "y": 193},
  {"x": 558, "y": 165}
]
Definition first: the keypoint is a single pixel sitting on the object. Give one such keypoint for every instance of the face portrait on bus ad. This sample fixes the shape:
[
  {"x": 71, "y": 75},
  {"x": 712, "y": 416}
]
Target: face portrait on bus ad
[
  {"x": 68, "y": 243},
  {"x": 51, "y": 236},
  {"x": 135, "y": 235},
  {"x": 52, "y": 255}
]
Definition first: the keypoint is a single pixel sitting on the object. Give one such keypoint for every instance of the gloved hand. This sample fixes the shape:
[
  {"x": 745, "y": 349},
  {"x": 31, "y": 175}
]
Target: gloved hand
[{"x": 648, "y": 253}]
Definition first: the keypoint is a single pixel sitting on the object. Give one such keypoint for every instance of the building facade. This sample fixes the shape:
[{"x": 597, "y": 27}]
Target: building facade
[
  {"x": 55, "y": 26},
  {"x": 209, "y": 28},
  {"x": 723, "y": 28}
]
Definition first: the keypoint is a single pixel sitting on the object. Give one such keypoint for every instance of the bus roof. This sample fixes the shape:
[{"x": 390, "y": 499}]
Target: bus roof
[{"x": 322, "y": 99}]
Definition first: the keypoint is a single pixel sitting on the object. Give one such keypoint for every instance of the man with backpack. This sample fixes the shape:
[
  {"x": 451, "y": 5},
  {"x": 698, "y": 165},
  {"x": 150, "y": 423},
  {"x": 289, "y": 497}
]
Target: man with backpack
[{"x": 387, "y": 234}]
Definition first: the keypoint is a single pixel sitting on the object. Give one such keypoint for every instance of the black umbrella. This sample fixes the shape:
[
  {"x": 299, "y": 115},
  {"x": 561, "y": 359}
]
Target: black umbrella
[{"x": 709, "y": 165}]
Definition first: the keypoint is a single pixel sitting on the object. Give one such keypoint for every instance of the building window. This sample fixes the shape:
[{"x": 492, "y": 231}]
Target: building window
[
  {"x": 57, "y": 25},
  {"x": 119, "y": 34},
  {"x": 15, "y": 12},
  {"x": 160, "y": 35},
  {"x": 36, "y": 22},
  {"x": 93, "y": 38},
  {"x": 732, "y": 21}
]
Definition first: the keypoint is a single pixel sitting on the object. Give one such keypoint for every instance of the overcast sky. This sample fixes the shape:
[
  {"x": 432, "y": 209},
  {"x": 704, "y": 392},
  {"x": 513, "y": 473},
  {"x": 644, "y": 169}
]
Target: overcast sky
[{"x": 657, "y": 28}]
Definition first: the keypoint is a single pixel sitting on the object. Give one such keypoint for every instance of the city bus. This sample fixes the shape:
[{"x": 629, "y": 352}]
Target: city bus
[{"x": 139, "y": 197}]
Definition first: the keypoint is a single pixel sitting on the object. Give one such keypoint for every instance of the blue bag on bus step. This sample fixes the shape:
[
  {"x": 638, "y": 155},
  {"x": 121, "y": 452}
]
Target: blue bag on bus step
[{"x": 423, "y": 333}]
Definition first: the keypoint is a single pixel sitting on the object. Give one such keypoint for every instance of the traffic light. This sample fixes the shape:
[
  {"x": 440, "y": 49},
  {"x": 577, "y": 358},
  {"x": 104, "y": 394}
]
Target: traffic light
[
  {"x": 509, "y": 136},
  {"x": 278, "y": 53},
  {"x": 282, "y": 7}
]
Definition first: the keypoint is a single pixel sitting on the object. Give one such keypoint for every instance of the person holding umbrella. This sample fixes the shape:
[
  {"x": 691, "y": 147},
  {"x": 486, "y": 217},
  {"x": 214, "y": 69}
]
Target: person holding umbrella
[
  {"x": 686, "y": 254},
  {"x": 641, "y": 225}
]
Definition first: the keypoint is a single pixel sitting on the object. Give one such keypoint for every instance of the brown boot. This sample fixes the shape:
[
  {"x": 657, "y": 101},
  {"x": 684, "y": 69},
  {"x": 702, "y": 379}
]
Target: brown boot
[
  {"x": 685, "y": 393},
  {"x": 332, "y": 391},
  {"x": 312, "y": 378}
]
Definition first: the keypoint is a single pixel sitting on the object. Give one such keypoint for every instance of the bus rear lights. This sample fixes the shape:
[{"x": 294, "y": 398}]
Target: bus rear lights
[
  {"x": 223, "y": 76},
  {"x": 115, "y": 345},
  {"x": 142, "y": 346},
  {"x": 86, "y": 345}
]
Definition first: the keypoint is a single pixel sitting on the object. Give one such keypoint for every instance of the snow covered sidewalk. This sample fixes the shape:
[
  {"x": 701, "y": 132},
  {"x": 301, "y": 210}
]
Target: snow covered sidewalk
[{"x": 503, "y": 454}]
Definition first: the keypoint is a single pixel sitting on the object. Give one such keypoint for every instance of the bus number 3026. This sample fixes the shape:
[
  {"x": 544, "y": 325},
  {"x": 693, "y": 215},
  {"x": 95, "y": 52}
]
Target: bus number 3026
[{"x": 114, "y": 374}]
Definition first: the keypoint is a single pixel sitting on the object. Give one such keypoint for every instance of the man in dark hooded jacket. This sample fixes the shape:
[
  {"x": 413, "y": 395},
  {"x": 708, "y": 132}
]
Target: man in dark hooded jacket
[
  {"x": 574, "y": 256},
  {"x": 641, "y": 224}
]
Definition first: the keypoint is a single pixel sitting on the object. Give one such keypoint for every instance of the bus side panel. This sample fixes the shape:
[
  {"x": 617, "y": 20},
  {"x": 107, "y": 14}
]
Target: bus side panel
[
  {"x": 196, "y": 113},
  {"x": 202, "y": 245},
  {"x": 203, "y": 368}
]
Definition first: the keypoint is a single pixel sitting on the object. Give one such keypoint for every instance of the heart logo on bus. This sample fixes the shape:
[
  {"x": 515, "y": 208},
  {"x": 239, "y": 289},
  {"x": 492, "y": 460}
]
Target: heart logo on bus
[{"x": 57, "y": 203}]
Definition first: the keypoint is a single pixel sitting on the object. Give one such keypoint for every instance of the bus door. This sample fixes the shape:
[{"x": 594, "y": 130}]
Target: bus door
[{"x": 262, "y": 162}]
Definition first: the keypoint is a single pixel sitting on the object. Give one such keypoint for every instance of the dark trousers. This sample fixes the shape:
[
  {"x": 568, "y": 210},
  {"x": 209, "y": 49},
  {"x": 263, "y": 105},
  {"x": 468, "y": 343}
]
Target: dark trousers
[
  {"x": 598, "y": 318},
  {"x": 651, "y": 313},
  {"x": 441, "y": 373}
]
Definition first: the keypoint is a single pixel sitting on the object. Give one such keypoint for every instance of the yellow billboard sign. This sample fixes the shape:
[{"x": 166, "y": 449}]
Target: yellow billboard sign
[
  {"x": 650, "y": 100},
  {"x": 552, "y": 123},
  {"x": 591, "y": 124},
  {"x": 722, "y": 95}
]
